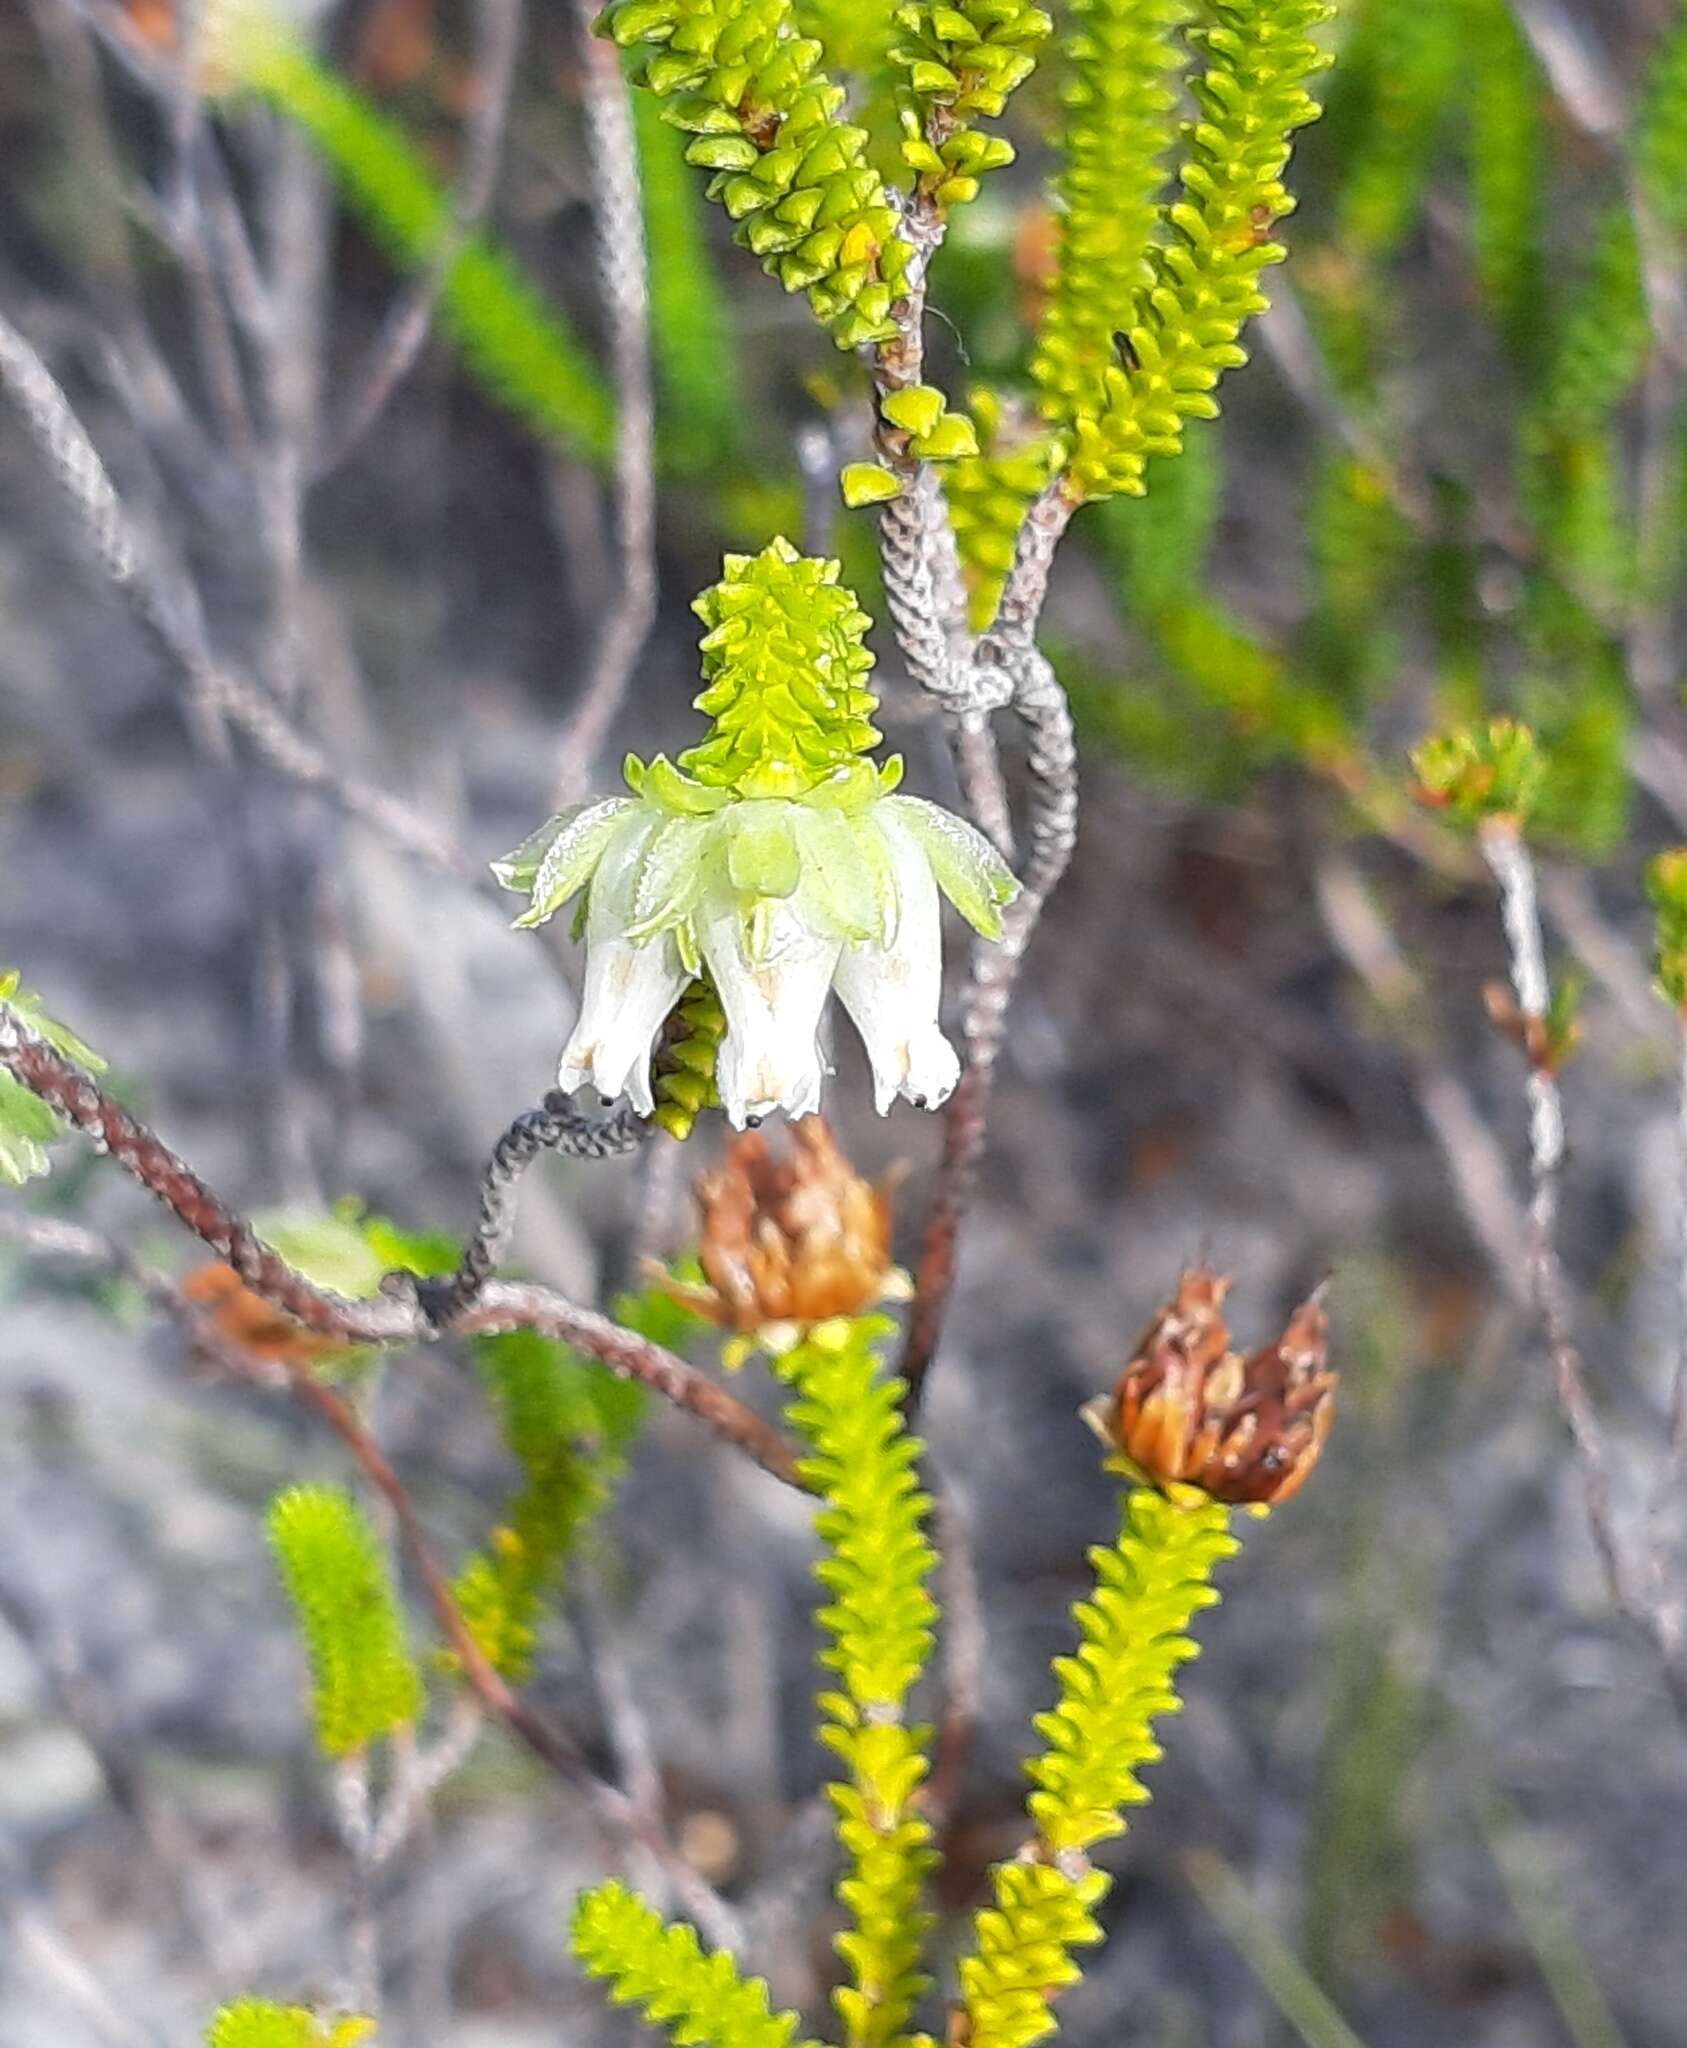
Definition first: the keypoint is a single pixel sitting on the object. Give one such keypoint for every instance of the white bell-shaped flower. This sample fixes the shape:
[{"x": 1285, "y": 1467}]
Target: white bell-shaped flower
[
  {"x": 630, "y": 988},
  {"x": 771, "y": 970},
  {"x": 892, "y": 987},
  {"x": 778, "y": 899}
]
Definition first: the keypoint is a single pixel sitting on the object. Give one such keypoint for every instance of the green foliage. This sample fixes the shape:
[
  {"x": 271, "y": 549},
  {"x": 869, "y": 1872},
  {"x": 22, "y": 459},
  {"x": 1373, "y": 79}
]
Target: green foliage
[
  {"x": 513, "y": 339},
  {"x": 856, "y": 35},
  {"x": 567, "y": 1422},
  {"x": 878, "y": 1620},
  {"x": 1407, "y": 59},
  {"x": 988, "y": 494},
  {"x": 1212, "y": 663},
  {"x": 1206, "y": 280},
  {"x": 258, "y": 2023},
  {"x": 27, "y": 1125},
  {"x": 961, "y": 59},
  {"x": 1359, "y": 548},
  {"x": 1160, "y": 550},
  {"x": 1571, "y": 471},
  {"x": 365, "y": 1682},
  {"x": 1023, "y": 1956},
  {"x": 701, "y": 2000},
  {"x": 1506, "y": 147},
  {"x": 1475, "y": 773},
  {"x": 700, "y": 419},
  {"x": 330, "y": 1247},
  {"x": 784, "y": 666},
  {"x": 745, "y": 85},
  {"x": 1666, "y": 885},
  {"x": 1123, "y": 62},
  {"x": 1660, "y": 132},
  {"x": 1150, "y": 1584}
]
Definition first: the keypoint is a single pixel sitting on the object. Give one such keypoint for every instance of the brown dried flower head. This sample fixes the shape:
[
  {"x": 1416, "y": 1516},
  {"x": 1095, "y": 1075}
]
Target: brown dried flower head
[
  {"x": 245, "y": 1319},
  {"x": 1188, "y": 1409},
  {"x": 785, "y": 1242}
]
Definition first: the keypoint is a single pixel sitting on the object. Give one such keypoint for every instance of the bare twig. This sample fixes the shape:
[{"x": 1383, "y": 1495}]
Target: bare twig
[
  {"x": 420, "y": 1773},
  {"x": 629, "y": 1736},
  {"x": 923, "y": 586},
  {"x": 619, "y": 221},
  {"x": 1513, "y": 869},
  {"x": 509, "y": 1305},
  {"x": 167, "y": 1177},
  {"x": 40, "y": 1941},
  {"x": 962, "y": 1658},
  {"x": 354, "y": 1815},
  {"x": 1581, "y": 79},
  {"x": 1008, "y": 649},
  {"x": 1473, "y": 1154},
  {"x": 168, "y": 608}
]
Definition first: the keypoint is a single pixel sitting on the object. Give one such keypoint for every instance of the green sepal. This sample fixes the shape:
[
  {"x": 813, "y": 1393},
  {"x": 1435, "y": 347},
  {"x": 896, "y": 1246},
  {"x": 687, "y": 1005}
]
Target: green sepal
[
  {"x": 763, "y": 858},
  {"x": 674, "y": 790},
  {"x": 670, "y": 877},
  {"x": 969, "y": 870},
  {"x": 570, "y": 847}
]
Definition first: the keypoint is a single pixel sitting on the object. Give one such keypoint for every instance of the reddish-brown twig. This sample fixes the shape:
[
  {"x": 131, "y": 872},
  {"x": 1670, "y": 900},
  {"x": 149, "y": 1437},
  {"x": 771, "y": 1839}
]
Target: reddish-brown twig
[
  {"x": 510, "y": 1305},
  {"x": 622, "y": 1816},
  {"x": 393, "y": 1319}
]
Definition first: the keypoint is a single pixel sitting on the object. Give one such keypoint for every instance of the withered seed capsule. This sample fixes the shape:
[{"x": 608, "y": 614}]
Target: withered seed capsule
[{"x": 1189, "y": 1409}]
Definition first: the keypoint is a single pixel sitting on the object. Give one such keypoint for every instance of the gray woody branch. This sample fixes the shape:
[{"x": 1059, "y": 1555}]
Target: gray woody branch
[{"x": 168, "y": 608}]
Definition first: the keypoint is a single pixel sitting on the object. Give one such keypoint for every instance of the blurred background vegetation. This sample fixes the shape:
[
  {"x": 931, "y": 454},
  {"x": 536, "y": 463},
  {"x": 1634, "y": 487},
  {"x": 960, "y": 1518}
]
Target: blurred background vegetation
[{"x": 1429, "y": 1786}]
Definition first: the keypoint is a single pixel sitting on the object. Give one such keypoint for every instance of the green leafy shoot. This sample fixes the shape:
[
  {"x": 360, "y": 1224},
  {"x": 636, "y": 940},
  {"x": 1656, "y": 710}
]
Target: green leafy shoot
[
  {"x": 878, "y": 1623},
  {"x": 700, "y": 2000},
  {"x": 961, "y": 59},
  {"x": 740, "y": 79},
  {"x": 1123, "y": 62},
  {"x": 27, "y": 1125},
  {"x": 1204, "y": 283},
  {"x": 1477, "y": 773},
  {"x": 567, "y": 1422},
  {"x": 364, "y": 1681},
  {"x": 1150, "y": 1584},
  {"x": 259, "y": 2023},
  {"x": 1666, "y": 885}
]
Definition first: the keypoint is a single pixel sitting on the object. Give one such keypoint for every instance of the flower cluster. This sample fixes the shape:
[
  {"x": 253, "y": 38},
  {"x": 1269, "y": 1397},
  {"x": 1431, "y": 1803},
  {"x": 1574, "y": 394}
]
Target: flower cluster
[{"x": 775, "y": 858}]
